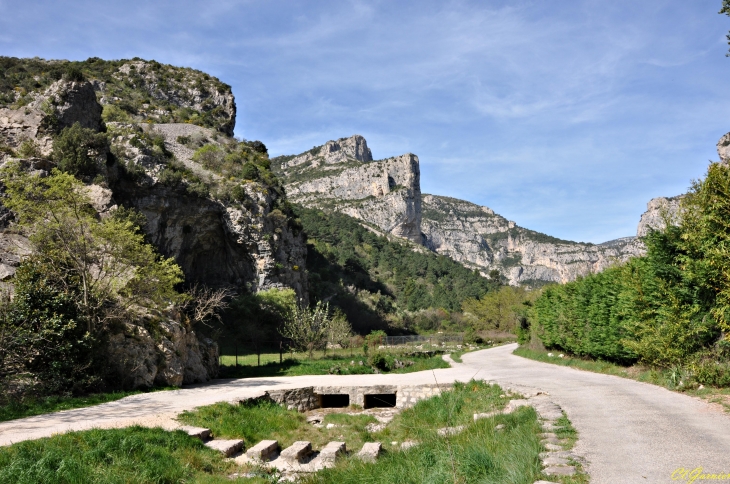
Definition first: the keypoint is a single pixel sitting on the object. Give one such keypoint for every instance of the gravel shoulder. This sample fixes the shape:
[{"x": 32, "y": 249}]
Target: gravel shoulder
[{"x": 628, "y": 431}]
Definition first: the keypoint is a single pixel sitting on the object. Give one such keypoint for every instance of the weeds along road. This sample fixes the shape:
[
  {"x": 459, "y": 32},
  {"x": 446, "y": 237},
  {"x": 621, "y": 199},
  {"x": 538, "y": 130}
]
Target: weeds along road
[{"x": 629, "y": 432}]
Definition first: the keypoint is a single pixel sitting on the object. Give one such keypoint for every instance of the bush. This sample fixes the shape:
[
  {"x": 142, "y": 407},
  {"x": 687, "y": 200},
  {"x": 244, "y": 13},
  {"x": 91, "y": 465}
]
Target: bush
[
  {"x": 73, "y": 73},
  {"x": 112, "y": 113},
  {"x": 29, "y": 149},
  {"x": 75, "y": 150},
  {"x": 249, "y": 172},
  {"x": 381, "y": 361}
]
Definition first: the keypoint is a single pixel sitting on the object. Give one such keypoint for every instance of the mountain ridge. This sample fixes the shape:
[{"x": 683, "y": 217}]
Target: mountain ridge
[{"x": 332, "y": 177}]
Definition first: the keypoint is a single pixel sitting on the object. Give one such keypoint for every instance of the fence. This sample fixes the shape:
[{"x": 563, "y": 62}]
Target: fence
[{"x": 264, "y": 352}]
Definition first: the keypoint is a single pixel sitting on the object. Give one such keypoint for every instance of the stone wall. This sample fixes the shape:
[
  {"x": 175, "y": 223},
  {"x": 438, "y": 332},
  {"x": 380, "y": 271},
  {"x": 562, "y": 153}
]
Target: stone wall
[{"x": 309, "y": 398}]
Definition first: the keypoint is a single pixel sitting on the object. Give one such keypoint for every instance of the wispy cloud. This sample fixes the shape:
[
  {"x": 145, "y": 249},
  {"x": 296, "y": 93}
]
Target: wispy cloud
[{"x": 564, "y": 116}]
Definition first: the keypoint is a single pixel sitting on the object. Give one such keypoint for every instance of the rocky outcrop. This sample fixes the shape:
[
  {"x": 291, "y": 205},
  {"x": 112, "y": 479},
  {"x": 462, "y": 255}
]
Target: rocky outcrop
[
  {"x": 68, "y": 102},
  {"x": 659, "y": 211},
  {"x": 480, "y": 239},
  {"x": 354, "y": 148},
  {"x": 61, "y": 105},
  {"x": 723, "y": 148},
  {"x": 385, "y": 194},
  {"x": 247, "y": 244},
  {"x": 172, "y": 356},
  {"x": 170, "y": 87}
]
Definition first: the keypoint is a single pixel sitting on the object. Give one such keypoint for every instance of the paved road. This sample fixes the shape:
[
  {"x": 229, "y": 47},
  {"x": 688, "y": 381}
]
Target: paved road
[{"x": 629, "y": 432}]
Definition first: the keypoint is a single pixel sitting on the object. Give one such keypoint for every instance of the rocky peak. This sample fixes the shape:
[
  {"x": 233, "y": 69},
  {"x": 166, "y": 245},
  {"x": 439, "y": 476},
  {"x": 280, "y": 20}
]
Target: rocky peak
[
  {"x": 723, "y": 148},
  {"x": 340, "y": 175},
  {"x": 343, "y": 150},
  {"x": 659, "y": 210}
]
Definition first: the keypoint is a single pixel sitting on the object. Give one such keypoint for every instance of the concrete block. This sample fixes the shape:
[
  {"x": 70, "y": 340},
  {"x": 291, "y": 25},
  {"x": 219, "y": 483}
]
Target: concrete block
[
  {"x": 263, "y": 451},
  {"x": 296, "y": 452},
  {"x": 331, "y": 451},
  {"x": 370, "y": 451},
  {"x": 199, "y": 432},
  {"x": 227, "y": 447}
]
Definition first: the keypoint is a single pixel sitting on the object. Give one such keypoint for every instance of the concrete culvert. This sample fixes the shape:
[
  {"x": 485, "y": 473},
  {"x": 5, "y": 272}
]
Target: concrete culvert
[
  {"x": 380, "y": 400},
  {"x": 335, "y": 400}
]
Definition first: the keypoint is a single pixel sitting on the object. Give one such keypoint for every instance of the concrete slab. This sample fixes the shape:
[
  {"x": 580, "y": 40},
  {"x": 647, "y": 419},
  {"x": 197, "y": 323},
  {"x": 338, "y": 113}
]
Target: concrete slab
[
  {"x": 263, "y": 451},
  {"x": 199, "y": 432},
  {"x": 370, "y": 451},
  {"x": 296, "y": 452},
  {"x": 227, "y": 447}
]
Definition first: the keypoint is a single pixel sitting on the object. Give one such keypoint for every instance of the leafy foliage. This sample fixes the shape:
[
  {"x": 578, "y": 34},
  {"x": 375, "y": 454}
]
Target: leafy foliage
[
  {"x": 377, "y": 282},
  {"x": 86, "y": 275},
  {"x": 312, "y": 328},
  {"x": 76, "y": 149},
  {"x": 670, "y": 308},
  {"x": 139, "y": 96}
]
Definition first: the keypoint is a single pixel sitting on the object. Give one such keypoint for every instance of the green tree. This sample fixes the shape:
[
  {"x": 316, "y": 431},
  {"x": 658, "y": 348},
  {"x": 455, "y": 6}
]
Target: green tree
[
  {"x": 76, "y": 149},
  {"x": 115, "y": 269},
  {"x": 308, "y": 328}
]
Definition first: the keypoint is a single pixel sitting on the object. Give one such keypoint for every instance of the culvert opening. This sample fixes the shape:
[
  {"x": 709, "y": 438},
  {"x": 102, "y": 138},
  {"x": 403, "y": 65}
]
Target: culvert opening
[
  {"x": 335, "y": 400},
  {"x": 380, "y": 400}
]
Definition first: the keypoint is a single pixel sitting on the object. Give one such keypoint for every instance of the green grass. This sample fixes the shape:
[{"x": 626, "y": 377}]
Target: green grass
[
  {"x": 30, "y": 406},
  {"x": 131, "y": 455},
  {"x": 481, "y": 453},
  {"x": 324, "y": 366},
  {"x": 636, "y": 372}
]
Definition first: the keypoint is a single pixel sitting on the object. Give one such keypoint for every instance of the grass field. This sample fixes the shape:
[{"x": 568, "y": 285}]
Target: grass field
[
  {"x": 340, "y": 365},
  {"x": 481, "y": 453}
]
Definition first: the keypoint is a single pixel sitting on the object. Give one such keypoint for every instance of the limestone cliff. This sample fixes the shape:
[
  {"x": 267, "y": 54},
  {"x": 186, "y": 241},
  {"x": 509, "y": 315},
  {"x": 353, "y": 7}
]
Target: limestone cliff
[
  {"x": 386, "y": 195},
  {"x": 659, "y": 211},
  {"x": 480, "y": 239},
  {"x": 229, "y": 228},
  {"x": 342, "y": 176}
]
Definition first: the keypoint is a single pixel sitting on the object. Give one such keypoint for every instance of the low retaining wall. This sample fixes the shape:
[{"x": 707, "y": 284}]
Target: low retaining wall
[{"x": 309, "y": 398}]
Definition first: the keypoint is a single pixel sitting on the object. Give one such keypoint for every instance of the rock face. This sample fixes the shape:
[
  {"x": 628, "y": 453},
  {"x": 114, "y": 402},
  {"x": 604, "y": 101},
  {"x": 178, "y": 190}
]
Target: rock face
[
  {"x": 215, "y": 242},
  {"x": 483, "y": 240},
  {"x": 71, "y": 102},
  {"x": 658, "y": 211},
  {"x": 243, "y": 241},
  {"x": 173, "y": 357},
  {"x": 723, "y": 148},
  {"x": 61, "y": 105},
  {"x": 385, "y": 194}
]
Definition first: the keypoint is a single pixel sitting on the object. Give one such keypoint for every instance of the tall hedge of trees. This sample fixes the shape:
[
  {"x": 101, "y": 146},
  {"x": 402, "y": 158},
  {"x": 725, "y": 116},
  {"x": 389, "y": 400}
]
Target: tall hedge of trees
[{"x": 669, "y": 308}]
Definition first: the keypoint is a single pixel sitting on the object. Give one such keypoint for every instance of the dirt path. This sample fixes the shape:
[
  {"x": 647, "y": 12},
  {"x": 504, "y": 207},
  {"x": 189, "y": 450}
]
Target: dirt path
[{"x": 630, "y": 432}]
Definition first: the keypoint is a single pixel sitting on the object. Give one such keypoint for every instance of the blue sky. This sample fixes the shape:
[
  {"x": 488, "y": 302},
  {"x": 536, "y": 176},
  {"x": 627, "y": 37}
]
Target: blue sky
[{"x": 564, "y": 116}]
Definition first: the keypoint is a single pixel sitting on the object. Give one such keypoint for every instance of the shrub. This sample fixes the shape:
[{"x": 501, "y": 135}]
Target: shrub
[
  {"x": 249, "y": 172},
  {"x": 112, "y": 113},
  {"x": 29, "y": 149},
  {"x": 75, "y": 150},
  {"x": 381, "y": 361},
  {"x": 73, "y": 73}
]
